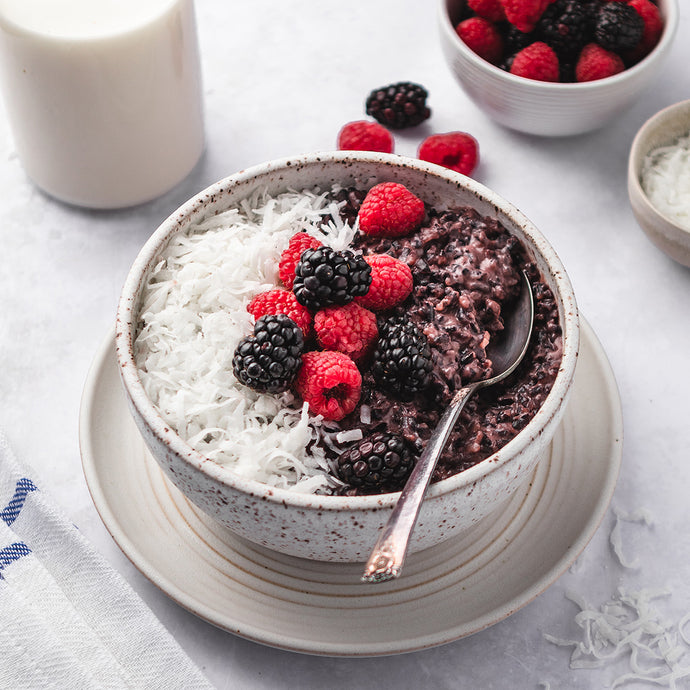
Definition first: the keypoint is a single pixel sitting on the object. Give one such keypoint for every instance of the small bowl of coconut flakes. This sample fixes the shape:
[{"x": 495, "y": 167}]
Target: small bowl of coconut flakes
[
  {"x": 659, "y": 180},
  {"x": 261, "y": 463}
]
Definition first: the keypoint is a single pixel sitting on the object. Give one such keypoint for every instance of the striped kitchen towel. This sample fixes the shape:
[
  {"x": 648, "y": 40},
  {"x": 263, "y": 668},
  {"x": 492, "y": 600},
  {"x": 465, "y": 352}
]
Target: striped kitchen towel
[{"x": 67, "y": 619}]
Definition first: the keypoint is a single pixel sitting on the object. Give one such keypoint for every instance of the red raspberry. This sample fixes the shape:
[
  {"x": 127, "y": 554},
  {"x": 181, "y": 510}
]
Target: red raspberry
[
  {"x": 281, "y": 301},
  {"x": 458, "y": 151},
  {"x": 390, "y": 210},
  {"x": 365, "y": 136},
  {"x": 653, "y": 26},
  {"x": 330, "y": 383},
  {"x": 524, "y": 14},
  {"x": 290, "y": 256},
  {"x": 391, "y": 282},
  {"x": 350, "y": 329},
  {"x": 536, "y": 61},
  {"x": 482, "y": 37},
  {"x": 489, "y": 9},
  {"x": 597, "y": 63}
]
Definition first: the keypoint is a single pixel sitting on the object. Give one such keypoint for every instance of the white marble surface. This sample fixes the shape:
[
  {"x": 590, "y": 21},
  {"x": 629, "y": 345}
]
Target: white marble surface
[{"x": 281, "y": 78}]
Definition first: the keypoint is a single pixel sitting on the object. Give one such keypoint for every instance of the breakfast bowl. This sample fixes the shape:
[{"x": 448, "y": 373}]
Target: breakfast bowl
[
  {"x": 545, "y": 108},
  {"x": 654, "y": 188},
  {"x": 335, "y": 526}
]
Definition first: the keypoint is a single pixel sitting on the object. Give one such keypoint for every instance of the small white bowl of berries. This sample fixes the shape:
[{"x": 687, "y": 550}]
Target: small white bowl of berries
[{"x": 555, "y": 67}]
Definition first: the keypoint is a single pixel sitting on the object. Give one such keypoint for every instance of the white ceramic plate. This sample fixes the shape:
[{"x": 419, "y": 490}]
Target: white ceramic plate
[{"x": 446, "y": 592}]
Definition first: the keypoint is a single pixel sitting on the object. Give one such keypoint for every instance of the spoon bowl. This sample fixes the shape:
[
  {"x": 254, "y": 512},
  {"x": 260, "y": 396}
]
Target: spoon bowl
[{"x": 386, "y": 560}]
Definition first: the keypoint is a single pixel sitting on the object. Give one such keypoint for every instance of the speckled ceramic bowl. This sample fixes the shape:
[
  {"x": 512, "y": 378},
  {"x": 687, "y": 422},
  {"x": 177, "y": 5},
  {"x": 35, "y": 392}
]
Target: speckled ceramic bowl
[
  {"x": 337, "y": 528},
  {"x": 542, "y": 108},
  {"x": 662, "y": 129}
]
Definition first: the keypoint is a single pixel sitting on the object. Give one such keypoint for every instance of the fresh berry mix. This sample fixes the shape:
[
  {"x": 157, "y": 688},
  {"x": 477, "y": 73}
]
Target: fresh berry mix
[
  {"x": 330, "y": 383},
  {"x": 269, "y": 360},
  {"x": 628, "y": 28},
  {"x": 377, "y": 464},
  {"x": 350, "y": 329},
  {"x": 398, "y": 105},
  {"x": 324, "y": 277},
  {"x": 390, "y": 210},
  {"x": 365, "y": 136},
  {"x": 457, "y": 151},
  {"x": 402, "y": 361},
  {"x": 291, "y": 255},
  {"x": 281, "y": 302},
  {"x": 391, "y": 283}
]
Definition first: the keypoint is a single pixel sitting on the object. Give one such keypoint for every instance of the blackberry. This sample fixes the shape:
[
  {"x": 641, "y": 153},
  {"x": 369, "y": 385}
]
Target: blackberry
[
  {"x": 567, "y": 26},
  {"x": 379, "y": 463},
  {"x": 402, "y": 360},
  {"x": 269, "y": 360},
  {"x": 398, "y": 105},
  {"x": 324, "y": 277},
  {"x": 618, "y": 27}
]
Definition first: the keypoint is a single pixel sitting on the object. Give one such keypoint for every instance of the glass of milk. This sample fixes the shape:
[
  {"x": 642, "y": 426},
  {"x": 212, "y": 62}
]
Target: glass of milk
[{"x": 103, "y": 97}]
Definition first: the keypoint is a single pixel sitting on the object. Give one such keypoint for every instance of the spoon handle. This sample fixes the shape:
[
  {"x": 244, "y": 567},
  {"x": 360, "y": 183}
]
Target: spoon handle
[{"x": 387, "y": 557}]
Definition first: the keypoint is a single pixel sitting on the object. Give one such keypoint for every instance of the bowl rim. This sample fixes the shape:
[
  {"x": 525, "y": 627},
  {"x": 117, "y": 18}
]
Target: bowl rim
[
  {"x": 126, "y": 310},
  {"x": 637, "y": 155},
  {"x": 670, "y": 14}
]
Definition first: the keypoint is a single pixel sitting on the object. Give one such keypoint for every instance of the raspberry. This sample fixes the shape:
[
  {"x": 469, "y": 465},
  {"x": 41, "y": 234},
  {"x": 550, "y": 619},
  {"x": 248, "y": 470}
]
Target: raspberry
[
  {"x": 379, "y": 463},
  {"x": 291, "y": 256},
  {"x": 324, "y": 276},
  {"x": 391, "y": 282},
  {"x": 482, "y": 37},
  {"x": 330, "y": 383},
  {"x": 350, "y": 329},
  {"x": 280, "y": 301},
  {"x": 269, "y": 360},
  {"x": 390, "y": 210},
  {"x": 488, "y": 9},
  {"x": 653, "y": 26},
  {"x": 524, "y": 14},
  {"x": 454, "y": 150},
  {"x": 618, "y": 27},
  {"x": 365, "y": 136},
  {"x": 536, "y": 61},
  {"x": 398, "y": 105},
  {"x": 597, "y": 63}
]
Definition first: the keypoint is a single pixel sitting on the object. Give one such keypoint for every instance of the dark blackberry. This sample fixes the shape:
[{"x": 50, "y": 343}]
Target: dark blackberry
[
  {"x": 618, "y": 27},
  {"x": 567, "y": 26},
  {"x": 402, "y": 360},
  {"x": 269, "y": 360},
  {"x": 398, "y": 105},
  {"x": 378, "y": 463},
  {"x": 324, "y": 276}
]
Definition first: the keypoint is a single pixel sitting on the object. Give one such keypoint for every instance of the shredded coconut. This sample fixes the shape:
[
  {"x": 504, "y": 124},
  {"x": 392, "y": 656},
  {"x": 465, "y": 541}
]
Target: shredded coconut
[
  {"x": 665, "y": 178},
  {"x": 193, "y": 314},
  {"x": 630, "y": 626},
  {"x": 615, "y": 538}
]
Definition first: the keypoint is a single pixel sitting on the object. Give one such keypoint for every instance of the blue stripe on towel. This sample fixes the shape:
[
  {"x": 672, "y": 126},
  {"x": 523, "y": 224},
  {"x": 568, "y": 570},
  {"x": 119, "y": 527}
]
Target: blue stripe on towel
[
  {"x": 10, "y": 513},
  {"x": 12, "y": 553}
]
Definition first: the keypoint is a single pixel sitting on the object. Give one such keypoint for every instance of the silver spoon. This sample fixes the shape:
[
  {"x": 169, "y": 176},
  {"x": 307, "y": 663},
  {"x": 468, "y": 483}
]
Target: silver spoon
[{"x": 386, "y": 560}]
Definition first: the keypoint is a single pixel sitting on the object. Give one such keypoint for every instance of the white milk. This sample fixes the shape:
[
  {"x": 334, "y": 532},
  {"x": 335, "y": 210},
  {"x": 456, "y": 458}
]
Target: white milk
[{"x": 103, "y": 96}]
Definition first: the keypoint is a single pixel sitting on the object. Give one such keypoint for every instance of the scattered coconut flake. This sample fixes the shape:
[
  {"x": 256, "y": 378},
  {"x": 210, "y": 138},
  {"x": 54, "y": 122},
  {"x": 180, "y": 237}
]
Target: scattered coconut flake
[
  {"x": 365, "y": 414},
  {"x": 615, "y": 538},
  {"x": 193, "y": 314},
  {"x": 665, "y": 178},
  {"x": 629, "y": 626},
  {"x": 349, "y": 436}
]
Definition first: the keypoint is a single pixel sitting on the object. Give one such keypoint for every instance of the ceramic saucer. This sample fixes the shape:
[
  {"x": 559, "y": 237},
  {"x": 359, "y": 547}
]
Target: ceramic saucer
[{"x": 446, "y": 592}]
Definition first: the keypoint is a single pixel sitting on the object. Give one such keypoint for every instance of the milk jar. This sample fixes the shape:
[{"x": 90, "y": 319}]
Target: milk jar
[{"x": 103, "y": 97}]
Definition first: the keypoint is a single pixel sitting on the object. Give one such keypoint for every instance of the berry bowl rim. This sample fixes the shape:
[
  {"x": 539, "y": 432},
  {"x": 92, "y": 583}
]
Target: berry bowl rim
[
  {"x": 206, "y": 203},
  {"x": 670, "y": 13}
]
